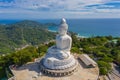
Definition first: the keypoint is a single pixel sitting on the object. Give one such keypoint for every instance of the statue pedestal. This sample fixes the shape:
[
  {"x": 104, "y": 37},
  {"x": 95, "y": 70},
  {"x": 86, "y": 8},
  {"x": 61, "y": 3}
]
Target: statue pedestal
[
  {"x": 60, "y": 68},
  {"x": 58, "y": 64},
  {"x": 54, "y": 65}
]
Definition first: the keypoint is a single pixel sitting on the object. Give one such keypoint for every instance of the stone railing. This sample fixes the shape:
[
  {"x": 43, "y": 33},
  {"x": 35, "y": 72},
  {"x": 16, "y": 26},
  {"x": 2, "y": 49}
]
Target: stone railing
[
  {"x": 13, "y": 77},
  {"x": 97, "y": 78}
]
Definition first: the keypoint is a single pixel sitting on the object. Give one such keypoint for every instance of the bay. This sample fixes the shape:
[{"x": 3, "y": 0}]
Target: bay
[{"x": 84, "y": 27}]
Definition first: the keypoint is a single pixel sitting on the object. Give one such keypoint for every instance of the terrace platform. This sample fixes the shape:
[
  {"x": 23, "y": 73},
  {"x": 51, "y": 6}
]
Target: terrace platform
[{"x": 31, "y": 71}]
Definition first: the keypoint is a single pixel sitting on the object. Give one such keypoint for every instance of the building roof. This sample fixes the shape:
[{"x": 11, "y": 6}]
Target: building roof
[{"x": 87, "y": 60}]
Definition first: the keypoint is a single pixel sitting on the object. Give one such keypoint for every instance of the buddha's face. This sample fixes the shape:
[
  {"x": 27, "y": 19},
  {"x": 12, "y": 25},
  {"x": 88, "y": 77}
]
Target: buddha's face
[{"x": 62, "y": 31}]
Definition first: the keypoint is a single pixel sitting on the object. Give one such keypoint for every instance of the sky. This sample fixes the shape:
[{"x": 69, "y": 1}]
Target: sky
[{"x": 54, "y": 9}]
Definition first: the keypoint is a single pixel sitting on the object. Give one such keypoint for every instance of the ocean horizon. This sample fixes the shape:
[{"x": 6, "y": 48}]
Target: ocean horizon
[{"x": 83, "y": 27}]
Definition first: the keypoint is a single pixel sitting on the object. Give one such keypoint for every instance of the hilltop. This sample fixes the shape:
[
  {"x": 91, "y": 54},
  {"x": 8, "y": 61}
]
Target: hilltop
[{"x": 21, "y": 33}]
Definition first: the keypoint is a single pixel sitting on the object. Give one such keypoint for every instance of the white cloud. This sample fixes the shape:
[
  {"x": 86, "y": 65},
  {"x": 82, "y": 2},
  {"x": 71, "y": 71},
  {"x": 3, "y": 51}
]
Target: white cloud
[
  {"x": 112, "y": 11},
  {"x": 57, "y": 8},
  {"x": 53, "y": 4}
]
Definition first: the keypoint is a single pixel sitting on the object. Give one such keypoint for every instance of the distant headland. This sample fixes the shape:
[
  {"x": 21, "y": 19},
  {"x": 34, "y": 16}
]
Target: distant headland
[{"x": 83, "y": 27}]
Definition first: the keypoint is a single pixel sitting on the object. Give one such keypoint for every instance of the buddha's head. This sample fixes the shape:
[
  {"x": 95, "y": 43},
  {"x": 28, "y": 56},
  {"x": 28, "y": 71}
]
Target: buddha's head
[{"x": 62, "y": 30}]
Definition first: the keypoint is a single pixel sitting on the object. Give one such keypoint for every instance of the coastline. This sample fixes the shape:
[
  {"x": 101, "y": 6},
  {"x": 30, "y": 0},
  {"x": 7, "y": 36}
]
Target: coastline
[
  {"x": 81, "y": 36},
  {"x": 52, "y": 30},
  {"x": 84, "y": 27},
  {"x": 78, "y": 35}
]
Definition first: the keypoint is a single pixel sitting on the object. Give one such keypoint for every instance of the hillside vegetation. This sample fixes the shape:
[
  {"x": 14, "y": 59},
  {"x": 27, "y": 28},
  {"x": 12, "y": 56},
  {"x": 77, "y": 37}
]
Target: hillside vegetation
[{"x": 25, "y": 32}]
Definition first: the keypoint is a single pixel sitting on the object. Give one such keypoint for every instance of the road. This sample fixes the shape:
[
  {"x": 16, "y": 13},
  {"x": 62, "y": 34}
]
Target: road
[
  {"x": 116, "y": 70},
  {"x": 115, "y": 74},
  {"x": 112, "y": 76}
]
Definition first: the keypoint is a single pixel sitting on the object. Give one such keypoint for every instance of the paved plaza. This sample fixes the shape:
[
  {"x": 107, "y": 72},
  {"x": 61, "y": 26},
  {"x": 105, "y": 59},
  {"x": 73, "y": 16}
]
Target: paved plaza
[{"x": 31, "y": 71}]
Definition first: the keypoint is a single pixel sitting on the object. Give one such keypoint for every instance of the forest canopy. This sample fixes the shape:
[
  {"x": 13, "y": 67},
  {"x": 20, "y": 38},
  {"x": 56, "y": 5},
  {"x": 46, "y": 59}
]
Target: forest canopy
[{"x": 17, "y": 35}]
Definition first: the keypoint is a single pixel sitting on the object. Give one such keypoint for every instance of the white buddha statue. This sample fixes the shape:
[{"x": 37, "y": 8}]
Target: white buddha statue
[
  {"x": 63, "y": 42},
  {"x": 58, "y": 56}
]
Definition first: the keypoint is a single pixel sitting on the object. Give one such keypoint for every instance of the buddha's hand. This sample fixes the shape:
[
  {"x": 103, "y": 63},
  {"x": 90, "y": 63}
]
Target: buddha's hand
[{"x": 62, "y": 55}]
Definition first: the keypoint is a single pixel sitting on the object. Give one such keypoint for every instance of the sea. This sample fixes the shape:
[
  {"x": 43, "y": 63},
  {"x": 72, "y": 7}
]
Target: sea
[{"x": 83, "y": 27}]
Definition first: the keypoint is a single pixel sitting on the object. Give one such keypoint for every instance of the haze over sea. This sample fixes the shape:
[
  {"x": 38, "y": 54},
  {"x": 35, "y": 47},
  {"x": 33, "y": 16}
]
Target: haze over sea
[{"x": 84, "y": 27}]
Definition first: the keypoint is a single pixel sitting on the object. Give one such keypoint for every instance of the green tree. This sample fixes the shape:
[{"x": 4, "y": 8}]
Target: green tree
[
  {"x": 75, "y": 50},
  {"x": 104, "y": 67},
  {"x": 42, "y": 49},
  {"x": 107, "y": 59}
]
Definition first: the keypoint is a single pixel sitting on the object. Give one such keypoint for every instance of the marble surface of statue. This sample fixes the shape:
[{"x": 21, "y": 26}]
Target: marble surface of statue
[
  {"x": 63, "y": 42},
  {"x": 58, "y": 56}
]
